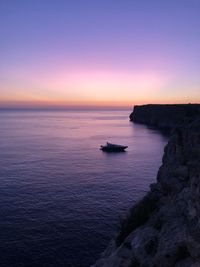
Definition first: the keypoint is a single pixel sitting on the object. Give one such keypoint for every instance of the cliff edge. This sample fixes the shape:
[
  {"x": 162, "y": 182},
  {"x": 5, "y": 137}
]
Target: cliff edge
[
  {"x": 163, "y": 116},
  {"x": 163, "y": 229}
]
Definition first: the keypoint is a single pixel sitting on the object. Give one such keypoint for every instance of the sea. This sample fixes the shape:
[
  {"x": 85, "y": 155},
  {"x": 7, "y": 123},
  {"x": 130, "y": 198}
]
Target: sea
[{"x": 62, "y": 199}]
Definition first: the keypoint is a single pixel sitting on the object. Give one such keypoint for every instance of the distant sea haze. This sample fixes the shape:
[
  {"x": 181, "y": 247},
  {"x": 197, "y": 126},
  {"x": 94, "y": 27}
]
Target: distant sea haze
[
  {"x": 61, "y": 108},
  {"x": 61, "y": 197}
]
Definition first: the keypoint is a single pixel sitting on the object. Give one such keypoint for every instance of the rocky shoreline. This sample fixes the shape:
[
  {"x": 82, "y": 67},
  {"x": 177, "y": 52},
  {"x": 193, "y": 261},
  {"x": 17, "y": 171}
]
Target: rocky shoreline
[
  {"x": 163, "y": 116},
  {"x": 163, "y": 229}
]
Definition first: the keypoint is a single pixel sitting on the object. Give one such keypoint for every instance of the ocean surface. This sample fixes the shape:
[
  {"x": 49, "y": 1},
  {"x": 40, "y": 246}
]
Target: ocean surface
[{"x": 60, "y": 196}]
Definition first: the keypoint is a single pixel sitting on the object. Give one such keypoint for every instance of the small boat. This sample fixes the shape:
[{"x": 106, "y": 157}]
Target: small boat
[{"x": 113, "y": 147}]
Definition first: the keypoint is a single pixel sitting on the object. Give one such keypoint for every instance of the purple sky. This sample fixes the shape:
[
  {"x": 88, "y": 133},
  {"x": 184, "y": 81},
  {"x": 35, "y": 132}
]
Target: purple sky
[{"x": 99, "y": 51}]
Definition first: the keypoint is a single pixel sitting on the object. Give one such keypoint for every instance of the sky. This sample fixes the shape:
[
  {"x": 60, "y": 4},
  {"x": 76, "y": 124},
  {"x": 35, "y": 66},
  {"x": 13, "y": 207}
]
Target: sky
[{"x": 99, "y": 52}]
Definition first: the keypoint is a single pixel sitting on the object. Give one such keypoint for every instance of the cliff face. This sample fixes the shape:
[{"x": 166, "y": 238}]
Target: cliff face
[
  {"x": 163, "y": 116},
  {"x": 163, "y": 229}
]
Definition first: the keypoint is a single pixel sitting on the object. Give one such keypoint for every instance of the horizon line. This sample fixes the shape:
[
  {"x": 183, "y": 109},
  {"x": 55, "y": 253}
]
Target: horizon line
[{"x": 73, "y": 104}]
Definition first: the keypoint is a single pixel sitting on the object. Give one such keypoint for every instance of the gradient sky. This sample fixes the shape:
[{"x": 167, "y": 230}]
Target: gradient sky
[{"x": 99, "y": 52}]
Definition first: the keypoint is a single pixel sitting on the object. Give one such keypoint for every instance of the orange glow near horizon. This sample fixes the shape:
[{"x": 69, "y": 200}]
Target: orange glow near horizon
[
  {"x": 99, "y": 54},
  {"x": 89, "y": 88},
  {"x": 52, "y": 104},
  {"x": 81, "y": 87}
]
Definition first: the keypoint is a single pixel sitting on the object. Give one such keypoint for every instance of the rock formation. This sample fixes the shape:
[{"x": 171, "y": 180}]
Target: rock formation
[
  {"x": 163, "y": 116},
  {"x": 163, "y": 229}
]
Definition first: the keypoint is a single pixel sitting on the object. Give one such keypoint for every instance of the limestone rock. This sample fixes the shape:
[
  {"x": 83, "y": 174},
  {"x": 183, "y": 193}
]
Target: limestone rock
[{"x": 163, "y": 229}]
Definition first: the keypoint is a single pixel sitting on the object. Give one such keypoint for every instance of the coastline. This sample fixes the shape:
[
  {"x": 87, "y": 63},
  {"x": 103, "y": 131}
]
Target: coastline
[
  {"x": 163, "y": 228},
  {"x": 163, "y": 116}
]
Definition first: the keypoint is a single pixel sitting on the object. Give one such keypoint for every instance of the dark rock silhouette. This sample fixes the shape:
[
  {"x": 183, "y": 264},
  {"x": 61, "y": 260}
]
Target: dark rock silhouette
[
  {"x": 163, "y": 229},
  {"x": 164, "y": 116}
]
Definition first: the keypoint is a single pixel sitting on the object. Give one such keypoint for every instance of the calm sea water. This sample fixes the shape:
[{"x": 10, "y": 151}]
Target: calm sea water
[{"x": 60, "y": 196}]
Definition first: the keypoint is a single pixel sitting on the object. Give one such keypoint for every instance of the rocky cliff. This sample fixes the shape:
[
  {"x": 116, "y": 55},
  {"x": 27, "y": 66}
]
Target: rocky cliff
[
  {"x": 163, "y": 116},
  {"x": 163, "y": 229}
]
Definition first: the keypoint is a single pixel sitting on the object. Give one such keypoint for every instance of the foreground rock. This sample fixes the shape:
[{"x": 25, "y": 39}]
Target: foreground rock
[
  {"x": 163, "y": 229},
  {"x": 163, "y": 116}
]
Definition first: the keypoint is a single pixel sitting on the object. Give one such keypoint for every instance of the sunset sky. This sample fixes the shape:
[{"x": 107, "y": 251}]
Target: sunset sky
[{"x": 99, "y": 52}]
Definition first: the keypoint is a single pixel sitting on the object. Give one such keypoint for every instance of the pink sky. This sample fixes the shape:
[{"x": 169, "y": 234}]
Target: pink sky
[{"x": 99, "y": 53}]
